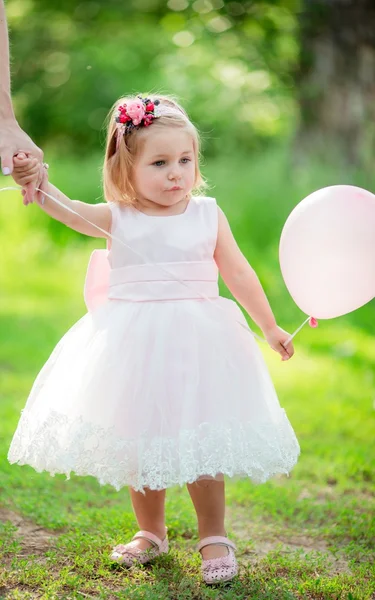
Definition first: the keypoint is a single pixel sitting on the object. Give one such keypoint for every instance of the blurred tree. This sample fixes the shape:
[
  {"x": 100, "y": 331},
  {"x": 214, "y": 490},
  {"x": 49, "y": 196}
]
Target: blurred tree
[
  {"x": 336, "y": 80},
  {"x": 229, "y": 62}
]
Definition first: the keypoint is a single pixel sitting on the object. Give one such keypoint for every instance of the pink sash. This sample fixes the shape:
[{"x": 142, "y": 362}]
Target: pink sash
[
  {"x": 96, "y": 285},
  {"x": 146, "y": 282}
]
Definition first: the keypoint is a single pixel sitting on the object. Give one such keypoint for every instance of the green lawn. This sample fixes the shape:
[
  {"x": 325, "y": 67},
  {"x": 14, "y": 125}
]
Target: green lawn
[{"x": 307, "y": 536}]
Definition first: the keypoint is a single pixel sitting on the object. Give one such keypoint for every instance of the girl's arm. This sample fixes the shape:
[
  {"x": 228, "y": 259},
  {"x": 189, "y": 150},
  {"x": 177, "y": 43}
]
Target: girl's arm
[
  {"x": 26, "y": 170},
  {"x": 243, "y": 282},
  {"x": 99, "y": 214}
]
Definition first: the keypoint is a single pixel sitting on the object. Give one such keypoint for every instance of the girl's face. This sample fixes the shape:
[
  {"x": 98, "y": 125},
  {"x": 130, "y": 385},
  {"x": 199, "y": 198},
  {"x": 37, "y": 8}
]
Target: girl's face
[{"x": 164, "y": 171}]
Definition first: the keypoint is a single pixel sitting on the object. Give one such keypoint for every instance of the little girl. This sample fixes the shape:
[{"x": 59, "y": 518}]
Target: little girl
[{"x": 161, "y": 382}]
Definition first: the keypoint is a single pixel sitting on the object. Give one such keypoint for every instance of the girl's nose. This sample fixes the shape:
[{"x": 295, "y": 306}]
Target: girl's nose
[{"x": 174, "y": 174}]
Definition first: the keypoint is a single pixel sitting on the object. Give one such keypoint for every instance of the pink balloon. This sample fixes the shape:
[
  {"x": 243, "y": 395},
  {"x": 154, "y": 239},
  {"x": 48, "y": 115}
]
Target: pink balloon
[{"x": 327, "y": 251}]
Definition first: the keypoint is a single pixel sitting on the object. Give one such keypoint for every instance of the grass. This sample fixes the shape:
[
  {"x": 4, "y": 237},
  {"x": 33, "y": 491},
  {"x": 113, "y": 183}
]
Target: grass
[{"x": 309, "y": 536}]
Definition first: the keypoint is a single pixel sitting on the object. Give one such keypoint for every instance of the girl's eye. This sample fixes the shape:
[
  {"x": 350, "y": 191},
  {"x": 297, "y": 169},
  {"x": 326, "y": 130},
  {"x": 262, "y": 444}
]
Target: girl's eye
[{"x": 158, "y": 163}]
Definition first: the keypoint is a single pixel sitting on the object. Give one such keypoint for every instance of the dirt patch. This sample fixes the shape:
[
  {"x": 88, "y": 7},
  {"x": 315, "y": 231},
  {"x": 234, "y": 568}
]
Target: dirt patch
[
  {"x": 264, "y": 538},
  {"x": 33, "y": 538},
  {"x": 325, "y": 494}
]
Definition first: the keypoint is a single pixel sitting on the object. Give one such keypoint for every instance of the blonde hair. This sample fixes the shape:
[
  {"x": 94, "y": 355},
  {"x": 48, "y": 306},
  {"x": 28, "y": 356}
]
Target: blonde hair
[{"x": 118, "y": 164}]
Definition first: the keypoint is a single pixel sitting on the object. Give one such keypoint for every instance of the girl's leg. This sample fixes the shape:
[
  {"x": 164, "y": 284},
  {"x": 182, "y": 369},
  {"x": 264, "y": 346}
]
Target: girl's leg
[
  {"x": 149, "y": 511},
  {"x": 208, "y": 496}
]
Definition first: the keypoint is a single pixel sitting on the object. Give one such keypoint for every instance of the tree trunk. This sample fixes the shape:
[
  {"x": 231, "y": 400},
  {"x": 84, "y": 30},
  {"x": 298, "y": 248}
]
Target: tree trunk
[{"x": 336, "y": 80}]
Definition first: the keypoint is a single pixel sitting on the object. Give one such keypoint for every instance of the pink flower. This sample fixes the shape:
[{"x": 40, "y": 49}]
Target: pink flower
[
  {"x": 148, "y": 120},
  {"x": 313, "y": 322},
  {"x": 136, "y": 111}
]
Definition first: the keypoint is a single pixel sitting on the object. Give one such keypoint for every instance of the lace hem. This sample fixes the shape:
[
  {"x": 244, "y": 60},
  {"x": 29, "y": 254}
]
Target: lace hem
[{"x": 62, "y": 445}]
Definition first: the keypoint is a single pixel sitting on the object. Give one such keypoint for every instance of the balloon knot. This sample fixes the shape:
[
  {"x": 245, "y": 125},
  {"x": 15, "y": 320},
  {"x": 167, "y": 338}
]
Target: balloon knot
[{"x": 313, "y": 322}]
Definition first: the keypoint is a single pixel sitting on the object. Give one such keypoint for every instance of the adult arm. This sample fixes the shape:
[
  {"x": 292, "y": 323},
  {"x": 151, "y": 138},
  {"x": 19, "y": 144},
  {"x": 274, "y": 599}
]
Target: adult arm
[
  {"x": 12, "y": 138},
  {"x": 6, "y": 109}
]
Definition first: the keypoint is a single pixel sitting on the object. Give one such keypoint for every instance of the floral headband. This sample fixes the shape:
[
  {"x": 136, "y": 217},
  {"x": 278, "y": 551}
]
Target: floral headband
[{"x": 134, "y": 114}]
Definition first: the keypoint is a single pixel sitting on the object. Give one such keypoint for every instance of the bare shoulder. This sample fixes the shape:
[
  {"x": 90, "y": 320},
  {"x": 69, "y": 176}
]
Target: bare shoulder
[
  {"x": 224, "y": 233},
  {"x": 103, "y": 211},
  {"x": 103, "y": 216},
  {"x": 223, "y": 224},
  {"x": 227, "y": 255}
]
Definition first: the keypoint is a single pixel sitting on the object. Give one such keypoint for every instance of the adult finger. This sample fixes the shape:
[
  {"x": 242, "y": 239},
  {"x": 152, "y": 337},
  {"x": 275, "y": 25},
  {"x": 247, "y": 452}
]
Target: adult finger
[
  {"x": 29, "y": 194},
  {"x": 26, "y": 201},
  {"x": 42, "y": 185},
  {"x": 7, "y": 161},
  {"x": 26, "y": 166},
  {"x": 31, "y": 183},
  {"x": 25, "y": 180},
  {"x": 27, "y": 176},
  {"x": 38, "y": 183}
]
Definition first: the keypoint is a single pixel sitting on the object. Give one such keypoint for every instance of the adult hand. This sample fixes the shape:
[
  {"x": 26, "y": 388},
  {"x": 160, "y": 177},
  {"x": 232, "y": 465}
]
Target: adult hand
[{"x": 12, "y": 141}]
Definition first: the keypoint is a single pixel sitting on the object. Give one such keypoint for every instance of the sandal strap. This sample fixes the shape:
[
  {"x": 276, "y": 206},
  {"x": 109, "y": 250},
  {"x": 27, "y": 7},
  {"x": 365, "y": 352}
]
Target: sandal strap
[
  {"x": 215, "y": 539},
  {"x": 151, "y": 537}
]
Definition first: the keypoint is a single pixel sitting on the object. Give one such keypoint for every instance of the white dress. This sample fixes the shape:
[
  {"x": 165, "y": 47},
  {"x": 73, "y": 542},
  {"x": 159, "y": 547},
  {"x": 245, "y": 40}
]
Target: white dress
[{"x": 159, "y": 384}]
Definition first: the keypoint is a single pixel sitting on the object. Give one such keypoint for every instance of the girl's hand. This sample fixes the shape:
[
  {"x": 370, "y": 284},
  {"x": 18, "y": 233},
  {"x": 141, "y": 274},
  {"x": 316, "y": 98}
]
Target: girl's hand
[
  {"x": 30, "y": 174},
  {"x": 25, "y": 169},
  {"x": 276, "y": 337}
]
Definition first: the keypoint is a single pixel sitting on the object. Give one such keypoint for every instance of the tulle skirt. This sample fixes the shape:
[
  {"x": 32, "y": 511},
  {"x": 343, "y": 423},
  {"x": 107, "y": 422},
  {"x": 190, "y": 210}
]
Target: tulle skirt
[{"x": 154, "y": 394}]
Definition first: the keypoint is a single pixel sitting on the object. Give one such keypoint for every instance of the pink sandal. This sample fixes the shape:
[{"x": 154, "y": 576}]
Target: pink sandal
[
  {"x": 224, "y": 568},
  {"x": 129, "y": 554}
]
